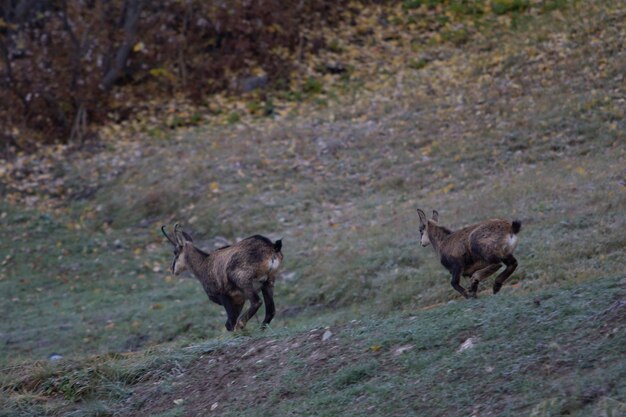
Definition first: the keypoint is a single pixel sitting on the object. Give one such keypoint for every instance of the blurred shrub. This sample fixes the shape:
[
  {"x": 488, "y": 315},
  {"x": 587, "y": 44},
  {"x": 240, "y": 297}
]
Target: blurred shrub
[{"x": 69, "y": 63}]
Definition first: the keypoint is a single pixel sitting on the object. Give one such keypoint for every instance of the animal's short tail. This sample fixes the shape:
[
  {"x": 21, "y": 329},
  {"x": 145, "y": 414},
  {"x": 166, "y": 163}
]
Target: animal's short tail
[
  {"x": 516, "y": 226},
  {"x": 278, "y": 245}
]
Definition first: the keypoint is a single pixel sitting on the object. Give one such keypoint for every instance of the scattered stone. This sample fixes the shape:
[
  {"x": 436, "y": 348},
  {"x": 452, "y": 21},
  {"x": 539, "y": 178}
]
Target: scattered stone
[
  {"x": 335, "y": 67},
  {"x": 179, "y": 401},
  {"x": 327, "y": 335},
  {"x": 468, "y": 344},
  {"x": 55, "y": 357},
  {"x": 250, "y": 351},
  {"x": 248, "y": 84},
  {"x": 327, "y": 145},
  {"x": 214, "y": 406},
  {"x": 289, "y": 276},
  {"x": 402, "y": 349}
]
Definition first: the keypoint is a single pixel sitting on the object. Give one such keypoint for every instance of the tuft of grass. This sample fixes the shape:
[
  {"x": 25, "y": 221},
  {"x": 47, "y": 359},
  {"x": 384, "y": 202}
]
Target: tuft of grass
[
  {"x": 335, "y": 46},
  {"x": 455, "y": 36},
  {"x": 550, "y": 5},
  {"x": 312, "y": 86},
  {"x": 418, "y": 64},
  {"x": 233, "y": 118},
  {"x": 500, "y": 7}
]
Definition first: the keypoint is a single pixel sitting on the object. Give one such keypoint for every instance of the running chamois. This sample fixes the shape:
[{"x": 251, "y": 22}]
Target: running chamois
[
  {"x": 232, "y": 274},
  {"x": 475, "y": 251}
]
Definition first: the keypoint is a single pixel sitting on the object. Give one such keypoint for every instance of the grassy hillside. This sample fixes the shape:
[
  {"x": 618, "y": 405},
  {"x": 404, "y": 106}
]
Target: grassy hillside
[
  {"x": 560, "y": 352},
  {"x": 528, "y": 124}
]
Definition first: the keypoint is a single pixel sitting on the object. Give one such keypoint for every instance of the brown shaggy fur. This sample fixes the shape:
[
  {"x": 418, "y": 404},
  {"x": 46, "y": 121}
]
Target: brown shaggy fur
[
  {"x": 475, "y": 251},
  {"x": 233, "y": 274}
]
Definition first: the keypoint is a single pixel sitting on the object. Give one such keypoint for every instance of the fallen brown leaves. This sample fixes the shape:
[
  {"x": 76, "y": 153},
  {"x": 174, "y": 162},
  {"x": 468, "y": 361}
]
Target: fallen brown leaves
[{"x": 384, "y": 57}]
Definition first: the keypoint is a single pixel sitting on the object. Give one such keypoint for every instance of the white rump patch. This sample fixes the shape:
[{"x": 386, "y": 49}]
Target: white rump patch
[
  {"x": 273, "y": 263},
  {"x": 512, "y": 241}
]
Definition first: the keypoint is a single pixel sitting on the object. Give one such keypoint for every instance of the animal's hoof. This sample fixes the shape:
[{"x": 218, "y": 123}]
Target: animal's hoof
[
  {"x": 229, "y": 326},
  {"x": 496, "y": 288},
  {"x": 472, "y": 295},
  {"x": 240, "y": 325}
]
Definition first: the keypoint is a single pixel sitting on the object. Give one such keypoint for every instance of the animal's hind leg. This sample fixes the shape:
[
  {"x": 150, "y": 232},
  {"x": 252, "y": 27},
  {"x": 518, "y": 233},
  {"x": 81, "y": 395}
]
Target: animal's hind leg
[
  {"x": 511, "y": 264},
  {"x": 480, "y": 275},
  {"x": 255, "y": 303},
  {"x": 237, "y": 312},
  {"x": 268, "y": 299}
]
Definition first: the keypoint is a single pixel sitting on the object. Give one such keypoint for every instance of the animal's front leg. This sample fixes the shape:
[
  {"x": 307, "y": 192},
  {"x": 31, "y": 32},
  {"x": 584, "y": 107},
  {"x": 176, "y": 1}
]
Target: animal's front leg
[
  {"x": 456, "y": 278},
  {"x": 231, "y": 312}
]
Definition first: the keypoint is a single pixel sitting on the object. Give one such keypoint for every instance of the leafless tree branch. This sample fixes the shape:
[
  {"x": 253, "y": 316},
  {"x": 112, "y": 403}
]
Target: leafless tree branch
[{"x": 133, "y": 10}]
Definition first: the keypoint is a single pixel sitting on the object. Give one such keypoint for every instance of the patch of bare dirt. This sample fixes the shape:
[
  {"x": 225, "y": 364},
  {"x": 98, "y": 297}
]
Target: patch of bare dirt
[{"x": 244, "y": 374}]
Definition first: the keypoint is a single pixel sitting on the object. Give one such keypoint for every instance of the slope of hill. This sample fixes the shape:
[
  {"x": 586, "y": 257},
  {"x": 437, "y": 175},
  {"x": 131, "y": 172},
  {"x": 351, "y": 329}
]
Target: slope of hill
[{"x": 529, "y": 125}]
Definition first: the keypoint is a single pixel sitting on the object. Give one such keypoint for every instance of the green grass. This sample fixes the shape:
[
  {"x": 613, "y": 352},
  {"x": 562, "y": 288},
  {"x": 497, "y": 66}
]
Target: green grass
[
  {"x": 75, "y": 291},
  {"x": 524, "y": 348},
  {"x": 507, "y": 6}
]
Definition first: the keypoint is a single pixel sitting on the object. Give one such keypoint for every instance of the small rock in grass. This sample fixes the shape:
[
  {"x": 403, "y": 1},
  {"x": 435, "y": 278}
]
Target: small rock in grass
[
  {"x": 402, "y": 349},
  {"x": 468, "y": 344},
  {"x": 327, "y": 335}
]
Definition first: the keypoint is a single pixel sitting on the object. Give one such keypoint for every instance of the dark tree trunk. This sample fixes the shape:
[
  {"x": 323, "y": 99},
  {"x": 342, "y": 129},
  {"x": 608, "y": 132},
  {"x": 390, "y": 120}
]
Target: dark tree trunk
[{"x": 131, "y": 20}]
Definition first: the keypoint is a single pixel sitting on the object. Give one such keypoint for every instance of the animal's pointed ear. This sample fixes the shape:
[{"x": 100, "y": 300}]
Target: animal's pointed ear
[
  {"x": 179, "y": 241},
  {"x": 435, "y": 216},
  {"x": 278, "y": 245},
  {"x": 186, "y": 237},
  {"x": 422, "y": 216}
]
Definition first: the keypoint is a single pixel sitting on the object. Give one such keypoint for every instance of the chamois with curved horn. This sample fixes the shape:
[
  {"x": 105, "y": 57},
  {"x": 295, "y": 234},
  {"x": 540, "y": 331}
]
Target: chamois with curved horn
[
  {"x": 232, "y": 274},
  {"x": 475, "y": 251}
]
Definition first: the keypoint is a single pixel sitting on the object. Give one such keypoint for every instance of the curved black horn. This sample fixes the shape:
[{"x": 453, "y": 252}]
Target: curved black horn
[{"x": 168, "y": 238}]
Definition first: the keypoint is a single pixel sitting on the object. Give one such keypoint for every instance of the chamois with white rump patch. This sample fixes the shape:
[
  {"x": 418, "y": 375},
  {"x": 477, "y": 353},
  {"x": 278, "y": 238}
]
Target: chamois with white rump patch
[
  {"x": 475, "y": 251},
  {"x": 232, "y": 274}
]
